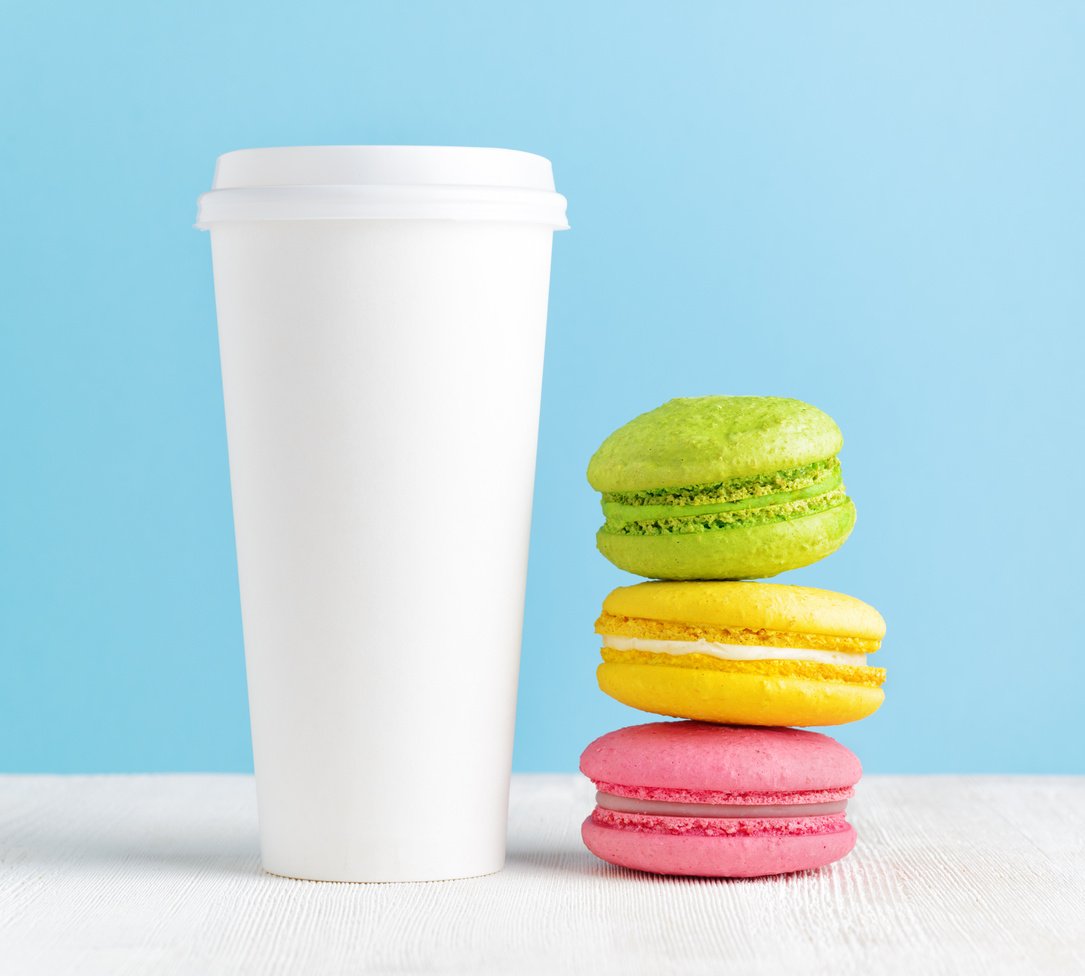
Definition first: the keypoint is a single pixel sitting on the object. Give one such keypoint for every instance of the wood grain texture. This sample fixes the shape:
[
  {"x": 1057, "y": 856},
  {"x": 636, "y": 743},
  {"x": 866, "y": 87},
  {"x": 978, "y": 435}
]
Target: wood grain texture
[{"x": 160, "y": 874}]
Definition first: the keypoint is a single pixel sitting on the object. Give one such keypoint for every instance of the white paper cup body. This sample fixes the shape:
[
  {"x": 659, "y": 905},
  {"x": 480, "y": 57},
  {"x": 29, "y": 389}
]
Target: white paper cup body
[{"x": 382, "y": 381}]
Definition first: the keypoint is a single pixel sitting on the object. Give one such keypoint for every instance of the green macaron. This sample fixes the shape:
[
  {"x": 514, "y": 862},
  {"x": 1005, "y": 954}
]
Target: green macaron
[{"x": 722, "y": 487}]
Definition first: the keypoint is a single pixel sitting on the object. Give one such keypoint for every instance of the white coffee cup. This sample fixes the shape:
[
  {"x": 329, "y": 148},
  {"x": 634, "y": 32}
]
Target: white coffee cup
[{"x": 381, "y": 313}]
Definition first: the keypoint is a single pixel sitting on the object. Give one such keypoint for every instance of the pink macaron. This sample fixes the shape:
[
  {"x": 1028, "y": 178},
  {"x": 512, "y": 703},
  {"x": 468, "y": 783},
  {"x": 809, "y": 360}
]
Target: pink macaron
[{"x": 720, "y": 801}]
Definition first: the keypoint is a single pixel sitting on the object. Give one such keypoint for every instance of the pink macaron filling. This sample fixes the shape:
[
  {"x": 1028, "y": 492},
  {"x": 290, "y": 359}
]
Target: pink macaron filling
[
  {"x": 710, "y": 813},
  {"x": 624, "y": 804}
]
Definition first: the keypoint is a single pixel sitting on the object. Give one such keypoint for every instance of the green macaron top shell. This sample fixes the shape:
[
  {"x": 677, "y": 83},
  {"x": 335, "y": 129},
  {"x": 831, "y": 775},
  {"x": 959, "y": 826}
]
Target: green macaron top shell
[{"x": 712, "y": 439}]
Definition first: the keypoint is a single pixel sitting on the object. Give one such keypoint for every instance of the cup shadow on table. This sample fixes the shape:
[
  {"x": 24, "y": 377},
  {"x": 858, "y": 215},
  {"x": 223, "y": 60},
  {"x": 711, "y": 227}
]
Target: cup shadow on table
[{"x": 199, "y": 851}]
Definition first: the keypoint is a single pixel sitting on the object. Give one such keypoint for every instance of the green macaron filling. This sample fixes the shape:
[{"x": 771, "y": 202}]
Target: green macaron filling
[
  {"x": 737, "y": 489},
  {"x": 755, "y": 500}
]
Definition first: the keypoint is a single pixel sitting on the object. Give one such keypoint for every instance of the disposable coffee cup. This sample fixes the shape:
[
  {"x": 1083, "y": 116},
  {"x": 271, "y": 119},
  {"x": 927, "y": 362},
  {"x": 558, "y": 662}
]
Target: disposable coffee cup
[{"x": 381, "y": 314}]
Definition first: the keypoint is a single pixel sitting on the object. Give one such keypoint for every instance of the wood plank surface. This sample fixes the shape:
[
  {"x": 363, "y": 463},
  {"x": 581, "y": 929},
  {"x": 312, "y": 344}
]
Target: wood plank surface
[{"x": 160, "y": 874}]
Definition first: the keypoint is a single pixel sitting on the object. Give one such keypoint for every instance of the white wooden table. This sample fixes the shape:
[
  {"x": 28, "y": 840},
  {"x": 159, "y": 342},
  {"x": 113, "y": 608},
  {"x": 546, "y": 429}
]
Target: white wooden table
[{"x": 160, "y": 874}]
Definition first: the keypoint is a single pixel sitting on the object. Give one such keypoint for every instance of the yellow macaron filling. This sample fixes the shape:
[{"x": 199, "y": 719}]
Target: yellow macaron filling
[
  {"x": 775, "y": 667},
  {"x": 837, "y": 648},
  {"x": 620, "y": 626}
]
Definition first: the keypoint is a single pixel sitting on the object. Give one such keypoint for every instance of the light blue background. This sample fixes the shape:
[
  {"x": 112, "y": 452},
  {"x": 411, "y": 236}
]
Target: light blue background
[{"x": 877, "y": 208}]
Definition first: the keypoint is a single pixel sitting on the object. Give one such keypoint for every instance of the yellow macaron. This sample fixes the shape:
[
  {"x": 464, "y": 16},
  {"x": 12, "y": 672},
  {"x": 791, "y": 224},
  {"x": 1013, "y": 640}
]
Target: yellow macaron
[{"x": 741, "y": 653}]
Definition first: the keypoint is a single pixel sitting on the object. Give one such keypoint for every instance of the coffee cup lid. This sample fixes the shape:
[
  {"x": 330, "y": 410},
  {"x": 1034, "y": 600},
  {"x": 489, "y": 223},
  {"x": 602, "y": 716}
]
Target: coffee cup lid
[{"x": 382, "y": 183}]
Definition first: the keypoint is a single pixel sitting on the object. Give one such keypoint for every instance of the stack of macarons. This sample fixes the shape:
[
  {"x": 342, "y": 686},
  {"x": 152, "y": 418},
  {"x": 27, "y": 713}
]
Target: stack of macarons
[{"x": 705, "y": 495}]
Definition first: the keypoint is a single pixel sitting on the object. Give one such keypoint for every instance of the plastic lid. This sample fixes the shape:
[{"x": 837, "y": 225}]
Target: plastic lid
[{"x": 382, "y": 183}]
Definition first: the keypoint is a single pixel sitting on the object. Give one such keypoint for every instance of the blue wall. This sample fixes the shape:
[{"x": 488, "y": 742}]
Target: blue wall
[{"x": 879, "y": 211}]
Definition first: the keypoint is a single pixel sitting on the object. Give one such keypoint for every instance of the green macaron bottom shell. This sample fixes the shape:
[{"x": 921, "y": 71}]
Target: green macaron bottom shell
[{"x": 740, "y": 550}]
